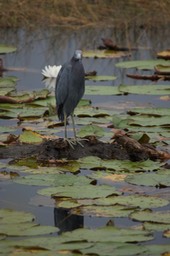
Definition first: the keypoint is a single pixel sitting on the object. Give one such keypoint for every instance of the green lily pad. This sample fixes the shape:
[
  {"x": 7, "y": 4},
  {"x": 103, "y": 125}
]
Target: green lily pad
[
  {"x": 149, "y": 179},
  {"x": 8, "y": 216},
  {"x": 145, "y": 89},
  {"x": 30, "y": 137},
  {"x": 55, "y": 180},
  {"x": 104, "y": 54},
  {"x": 107, "y": 248},
  {"x": 155, "y": 226},
  {"x": 140, "y": 201},
  {"x": 92, "y": 162},
  {"x": 26, "y": 229},
  {"x": 149, "y": 216},
  {"x": 5, "y": 91},
  {"x": 79, "y": 192},
  {"x": 109, "y": 234},
  {"x": 162, "y": 69},
  {"x": 91, "y": 130},
  {"x": 92, "y": 112},
  {"x": 157, "y": 112},
  {"x": 142, "y": 64},
  {"x": 101, "y": 78},
  {"x": 9, "y": 81},
  {"x": 102, "y": 90},
  {"x": 7, "y": 49},
  {"x": 157, "y": 249},
  {"x": 103, "y": 211}
]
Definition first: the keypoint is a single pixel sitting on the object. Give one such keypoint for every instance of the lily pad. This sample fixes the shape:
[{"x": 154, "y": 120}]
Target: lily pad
[
  {"x": 149, "y": 179},
  {"x": 91, "y": 130},
  {"x": 104, "y": 54},
  {"x": 163, "y": 69},
  {"x": 30, "y": 137},
  {"x": 109, "y": 234},
  {"x": 93, "y": 162},
  {"x": 8, "y": 216},
  {"x": 102, "y": 90},
  {"x": 55, "y": 180},
  {"x": 7, "y": 49},
  {"x": 155, "y": 226},
  {"x": 155, "y": 217},
  {"x": 164, "y": 54},
  {"x": 26, "y": 229},
  {"x": 103, "y": 211},
  {"x": 140, "y": 201},
  {"x": 9, "y": 81},
  {"x": 157, "y": 112},
  {"x": 145, "y": 89},
  {"x": 101, "y": 78},
  {"x": 79, "y": 192},
  {"x": 142, "y": 64}
]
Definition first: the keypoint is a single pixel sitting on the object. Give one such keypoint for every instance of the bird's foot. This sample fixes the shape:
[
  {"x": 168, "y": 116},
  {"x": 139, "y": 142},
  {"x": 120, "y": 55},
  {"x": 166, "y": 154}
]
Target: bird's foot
[
  {"x": 74, "y": 141},
  {"x": 78, "y": 141}
]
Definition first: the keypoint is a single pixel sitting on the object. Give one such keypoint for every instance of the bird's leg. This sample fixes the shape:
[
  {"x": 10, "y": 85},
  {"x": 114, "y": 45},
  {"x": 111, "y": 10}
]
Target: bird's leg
[
  {"x": 70, "y": 142},
  {"x": 65, "y": 126},
  {"x": 74, "y": 129},
  {"x": 77, "y": 140}
]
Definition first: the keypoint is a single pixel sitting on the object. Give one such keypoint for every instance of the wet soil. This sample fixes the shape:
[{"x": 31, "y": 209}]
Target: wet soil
[{"x": 122, "y": 148}]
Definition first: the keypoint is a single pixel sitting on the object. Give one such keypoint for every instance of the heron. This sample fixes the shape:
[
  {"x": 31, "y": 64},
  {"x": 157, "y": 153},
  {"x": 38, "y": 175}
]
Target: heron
[{"x": 69, "y": 89}]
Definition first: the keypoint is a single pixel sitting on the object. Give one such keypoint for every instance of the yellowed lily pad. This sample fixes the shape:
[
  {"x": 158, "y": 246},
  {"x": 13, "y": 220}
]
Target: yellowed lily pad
[{"x": 30, "y": 137}]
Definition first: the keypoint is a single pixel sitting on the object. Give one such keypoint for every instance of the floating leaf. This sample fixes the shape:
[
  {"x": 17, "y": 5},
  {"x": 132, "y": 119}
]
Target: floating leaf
[
  {"x": 156, "y": 217},
  {"x": 142, "y": 64},
  {"x": 102, "y": 90},
  {"x": 101, "y": 78},
  {"x": 157, "y": 112},
  {"x": 109, "y": 234},
  {"x": 149, "y": 179},
  {"x": 139, "y": 201},
  {"x": 54, "y": 180},
  {"x": 104, "y": 54},
  {"x": 30, "y": 137},
  {"x": 91, "y": 130},
  {"x": 92, "y": 112},
  {"x": 108, "y": 248},
  {"x": 9, "y": 81},
  {"x": 164, "y": 54},
  {"x": 155, "y": 226},
  {"x": 162, "y": 69},
  {"x": 5, "y": 91},
  {"x": 26, "y": 229},
  {"x": 7, "y": 49},
  {"x": 77, "y": 192},
  {"x": 92, "y": 162},
  {"x": 8, "y": 216},
  {"x": 145, "y": 89},
  {"x": 103, "y": 211}
]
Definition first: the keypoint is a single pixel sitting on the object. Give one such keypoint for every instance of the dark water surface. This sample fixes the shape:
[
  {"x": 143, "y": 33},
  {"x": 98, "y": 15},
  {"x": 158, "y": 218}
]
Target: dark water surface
[{"x": 40, "y": 48}]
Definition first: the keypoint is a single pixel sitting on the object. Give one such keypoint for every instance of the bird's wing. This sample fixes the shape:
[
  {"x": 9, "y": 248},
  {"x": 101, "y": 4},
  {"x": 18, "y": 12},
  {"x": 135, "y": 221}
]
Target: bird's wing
[{"x": 62, "y": 88}]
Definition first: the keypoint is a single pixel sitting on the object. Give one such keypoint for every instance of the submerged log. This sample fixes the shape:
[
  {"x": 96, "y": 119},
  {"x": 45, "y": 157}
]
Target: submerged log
[{"x": 122, "y": 148}]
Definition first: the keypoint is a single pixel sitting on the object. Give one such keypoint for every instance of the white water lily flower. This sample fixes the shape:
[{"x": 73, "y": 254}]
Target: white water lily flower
[
  {"x": 50, "y": 74},
  {"x": 51, "y": 71}
]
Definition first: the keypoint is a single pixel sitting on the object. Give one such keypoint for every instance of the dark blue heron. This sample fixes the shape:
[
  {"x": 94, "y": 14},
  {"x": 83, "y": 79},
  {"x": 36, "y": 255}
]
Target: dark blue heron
[{"x": 70, "y": 86}]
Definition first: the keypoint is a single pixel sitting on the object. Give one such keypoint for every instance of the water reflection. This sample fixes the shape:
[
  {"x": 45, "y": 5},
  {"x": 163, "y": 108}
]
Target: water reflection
[
  {"x": 39, "y": 48},
  {"x": 66, "y": 221}
]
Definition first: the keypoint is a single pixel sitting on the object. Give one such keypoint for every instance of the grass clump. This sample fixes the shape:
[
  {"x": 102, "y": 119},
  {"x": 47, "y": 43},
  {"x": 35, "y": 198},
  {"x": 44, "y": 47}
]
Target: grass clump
[{"x": 54, "y": 13}]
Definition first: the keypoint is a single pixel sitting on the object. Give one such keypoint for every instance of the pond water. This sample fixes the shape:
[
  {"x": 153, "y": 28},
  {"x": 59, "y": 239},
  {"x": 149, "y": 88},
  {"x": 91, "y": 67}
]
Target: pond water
[{"x": 36, "y": 49}]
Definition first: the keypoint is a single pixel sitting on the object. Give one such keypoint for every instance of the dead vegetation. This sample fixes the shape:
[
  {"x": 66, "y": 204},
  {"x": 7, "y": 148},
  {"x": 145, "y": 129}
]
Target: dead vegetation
[{"x": 54, "y": 13}]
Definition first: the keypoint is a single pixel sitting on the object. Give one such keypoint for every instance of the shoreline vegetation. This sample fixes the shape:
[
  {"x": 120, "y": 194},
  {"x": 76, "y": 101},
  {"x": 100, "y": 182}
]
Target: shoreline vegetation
[{"x": 76, "y": 14}]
